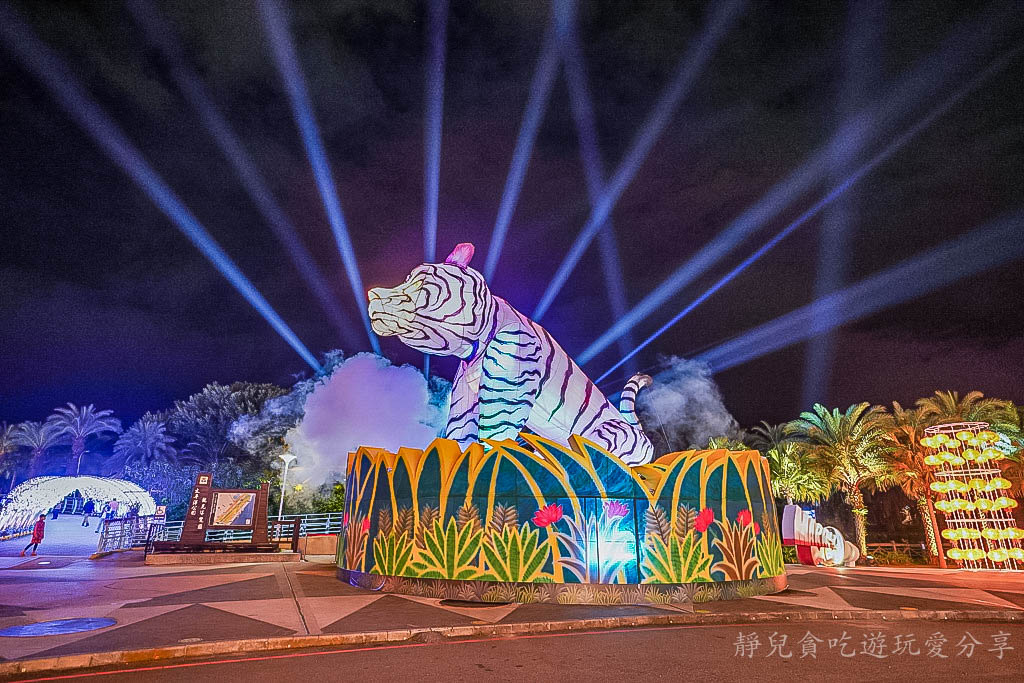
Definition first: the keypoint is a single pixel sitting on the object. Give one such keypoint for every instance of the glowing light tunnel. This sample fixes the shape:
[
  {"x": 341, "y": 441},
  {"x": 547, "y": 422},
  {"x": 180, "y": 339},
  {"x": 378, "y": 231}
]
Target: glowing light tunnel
[
  {"x": 36, "y": 496},
  {"x": 276, "y": 24},
  {"x": 540, "y": 88},
  {"x": 42, "y": 63},
  {"x": 835, "y": 192},
  {"x": 950, "y": 64},
  {"x": 995, "y": 244},
  {"x": 689, "y": 69},
  {"x": 161, "y": 35},
  {"x": 581, "y": 104}
]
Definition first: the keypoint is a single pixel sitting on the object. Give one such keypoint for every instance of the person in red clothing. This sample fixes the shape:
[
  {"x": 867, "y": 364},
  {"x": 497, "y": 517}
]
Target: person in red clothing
[{"x": 37, "y": 535}]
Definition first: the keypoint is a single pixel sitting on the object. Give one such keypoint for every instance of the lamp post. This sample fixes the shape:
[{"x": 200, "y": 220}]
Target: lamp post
[{"x": 288, "y": 460}]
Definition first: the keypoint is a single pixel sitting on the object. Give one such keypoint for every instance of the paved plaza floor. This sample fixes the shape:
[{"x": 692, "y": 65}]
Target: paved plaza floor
[
  {"x": 64, "y": 536},
  {"x": 166, "y": 606}
]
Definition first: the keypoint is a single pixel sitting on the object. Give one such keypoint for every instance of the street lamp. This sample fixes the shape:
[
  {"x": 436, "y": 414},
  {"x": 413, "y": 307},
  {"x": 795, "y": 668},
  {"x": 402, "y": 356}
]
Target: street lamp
[{"x": 288, "y": 460}]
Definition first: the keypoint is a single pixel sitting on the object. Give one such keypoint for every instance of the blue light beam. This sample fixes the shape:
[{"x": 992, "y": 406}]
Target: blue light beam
[
  {"x": 959, "y": 53},
  {"x": 275, "y": 23},
  {"x": 836, "y": 191},
  {"x": 162, "y": 36},
  {"x": 861, "y": 54},
  {"x": 984, "y": 248},
  {"x": 536, "y": 103},
  {"x": 437, "y": 24},
  {"x": 581, "y": 104},
  {"x": 44, "y": 64},
  {"x": 689, "y": 69}
]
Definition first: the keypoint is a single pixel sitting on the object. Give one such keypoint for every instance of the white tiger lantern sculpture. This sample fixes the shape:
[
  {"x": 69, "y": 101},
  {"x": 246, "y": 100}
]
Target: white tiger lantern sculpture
[{"x": 513, "y": 375}]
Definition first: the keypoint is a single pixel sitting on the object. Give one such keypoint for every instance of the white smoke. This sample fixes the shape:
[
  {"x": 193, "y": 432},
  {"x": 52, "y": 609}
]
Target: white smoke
[
  {"x": 366, "y": 401},
  {"x": 684, "y": 408}
]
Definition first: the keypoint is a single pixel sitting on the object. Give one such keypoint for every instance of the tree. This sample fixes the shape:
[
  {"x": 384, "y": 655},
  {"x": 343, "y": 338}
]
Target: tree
[
  {"x": 848, "y": 447},
  {"x": 79, "y": 424},
  {"x": 10, "y": 461},
  {"x": 202, "y": 423},
  {"x": 794, "y": 474},
  {"x": 947, "y": 406},
  {"x": 38, "y": 437},
  {"x": 144, "y": 442},
  {"x": 904, "y": 431}
]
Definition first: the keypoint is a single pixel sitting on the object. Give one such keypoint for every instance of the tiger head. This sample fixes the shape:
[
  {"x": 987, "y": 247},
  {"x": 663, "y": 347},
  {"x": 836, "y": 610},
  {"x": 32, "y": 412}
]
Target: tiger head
[{"x": 444, "y": 309}]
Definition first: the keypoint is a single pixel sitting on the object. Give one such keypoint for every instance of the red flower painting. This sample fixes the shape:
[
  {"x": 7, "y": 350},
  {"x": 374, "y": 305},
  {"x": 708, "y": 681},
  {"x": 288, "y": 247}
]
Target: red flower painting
[
  {"x": 344, "y": 521},
  {"x": 549, "y": 514},
  {"x": 744, "y": 518},
  {"x": 704, "y": 519},
  {"x": 757, "y": 528},
  {"x": 366, "y": 525}
]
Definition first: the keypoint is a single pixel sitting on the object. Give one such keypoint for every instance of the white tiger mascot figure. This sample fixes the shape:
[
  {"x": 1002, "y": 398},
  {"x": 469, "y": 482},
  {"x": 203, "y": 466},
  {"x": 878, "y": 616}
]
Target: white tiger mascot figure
[{"x": 513, "y": 375}]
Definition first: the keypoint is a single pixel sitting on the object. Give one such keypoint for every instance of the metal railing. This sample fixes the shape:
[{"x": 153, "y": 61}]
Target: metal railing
[
  {"x": 124, "y": 533},
  {"x": 321, "y": 524}
]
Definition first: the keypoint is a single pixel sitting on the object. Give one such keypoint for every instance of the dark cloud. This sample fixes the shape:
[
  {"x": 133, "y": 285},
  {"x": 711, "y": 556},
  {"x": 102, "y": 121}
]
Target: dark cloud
[{"x": 103, "y": 300}]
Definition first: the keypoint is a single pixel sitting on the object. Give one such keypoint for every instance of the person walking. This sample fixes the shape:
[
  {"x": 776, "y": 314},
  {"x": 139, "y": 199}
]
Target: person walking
[
  {"x": 37, "y": 535},
  {"x": 104, "y": 513},
  {"x": 87, "y": 510},
  {"x": 56, "y": 510}
]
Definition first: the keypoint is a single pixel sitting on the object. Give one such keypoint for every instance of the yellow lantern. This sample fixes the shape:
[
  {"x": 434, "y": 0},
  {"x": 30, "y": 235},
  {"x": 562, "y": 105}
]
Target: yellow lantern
[
  {"x": 971, "y": 454},
  {"x": 975, "y": 554},
  {"x": 940, "y": 439},
  {"x": 929, "y": 442},
  {"x": 988, "y": 435},
  {"x": 991, "y": 534},
  {"x": 950, "y": 534},
  {"x": 955, "y": 554},
  {"x": 998, "y": 555},
  {"x": 963, "y": 435},
  {"x": 1016, "y": 553},
  {"x": 932, "y": 461}
]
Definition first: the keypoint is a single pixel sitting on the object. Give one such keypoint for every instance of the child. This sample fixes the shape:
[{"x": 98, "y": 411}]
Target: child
[{"x": 37, "y": 535}]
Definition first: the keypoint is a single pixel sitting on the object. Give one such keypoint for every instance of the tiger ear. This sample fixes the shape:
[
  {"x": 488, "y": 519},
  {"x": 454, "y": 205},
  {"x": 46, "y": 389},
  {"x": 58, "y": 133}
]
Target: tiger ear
[{"x": 461, "y": 255}]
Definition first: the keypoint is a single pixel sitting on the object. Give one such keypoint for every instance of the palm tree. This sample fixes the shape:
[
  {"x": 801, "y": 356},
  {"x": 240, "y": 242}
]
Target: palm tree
[
  {"x": 79, "y": 424},
  {"x": 145, "y": 441},
  {"x": 794, "y": 474},
  {"x": 947, "y": 406},
  {"x": 904, "y": 431},
  {"x": 38, "y": 437},
  {"x": 9, "y": 461},
  {"x": 848, "y": 447}
]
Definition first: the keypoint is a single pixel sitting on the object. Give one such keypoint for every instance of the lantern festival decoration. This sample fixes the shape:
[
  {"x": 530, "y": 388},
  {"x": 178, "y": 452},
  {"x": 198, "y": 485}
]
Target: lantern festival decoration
[{"x": 974, "y": 497}]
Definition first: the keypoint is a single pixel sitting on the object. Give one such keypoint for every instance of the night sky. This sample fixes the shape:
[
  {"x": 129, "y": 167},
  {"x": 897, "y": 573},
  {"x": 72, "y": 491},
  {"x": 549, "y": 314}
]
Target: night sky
[{"x": 103, "y": 300}]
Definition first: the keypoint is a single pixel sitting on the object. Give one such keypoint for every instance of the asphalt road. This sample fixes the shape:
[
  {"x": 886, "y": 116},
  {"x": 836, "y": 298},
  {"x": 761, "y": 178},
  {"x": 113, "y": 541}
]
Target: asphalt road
[{"x": 869, "y": 652}]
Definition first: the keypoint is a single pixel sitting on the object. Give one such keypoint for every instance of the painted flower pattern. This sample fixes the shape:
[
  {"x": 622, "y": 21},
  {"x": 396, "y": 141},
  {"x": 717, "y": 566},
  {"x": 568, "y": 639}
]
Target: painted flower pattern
[
  {"x": 614, "y": 509},
  {"x": 704, "y": 519},
  {"x": 744, "y": 518},
  {"x": 366, "y": 525},
  {"x": 547, "y": 515},
  {"x": 344, "y": 520}
]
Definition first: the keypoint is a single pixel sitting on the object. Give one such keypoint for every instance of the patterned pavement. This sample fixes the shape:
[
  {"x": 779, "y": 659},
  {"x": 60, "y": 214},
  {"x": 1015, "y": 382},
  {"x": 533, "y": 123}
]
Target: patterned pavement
[{"x": 163, "y": 606}]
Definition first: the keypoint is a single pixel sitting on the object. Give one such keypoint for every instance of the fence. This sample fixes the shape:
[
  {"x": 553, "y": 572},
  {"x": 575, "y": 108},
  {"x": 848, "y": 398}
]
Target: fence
[
  {"x": 327, "y": 523},
  {"x": 124, "y": 533}
]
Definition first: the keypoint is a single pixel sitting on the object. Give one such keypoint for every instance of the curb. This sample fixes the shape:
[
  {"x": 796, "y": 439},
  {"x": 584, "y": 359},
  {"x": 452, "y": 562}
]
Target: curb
[{"x": 221, "y": 647}]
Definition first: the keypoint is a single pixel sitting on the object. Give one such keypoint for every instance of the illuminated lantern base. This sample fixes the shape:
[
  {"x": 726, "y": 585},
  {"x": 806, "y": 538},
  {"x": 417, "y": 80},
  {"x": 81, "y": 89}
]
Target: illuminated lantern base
[
  {"x": 503, "y": 522},
  {"x": 38, "y": 495}
]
